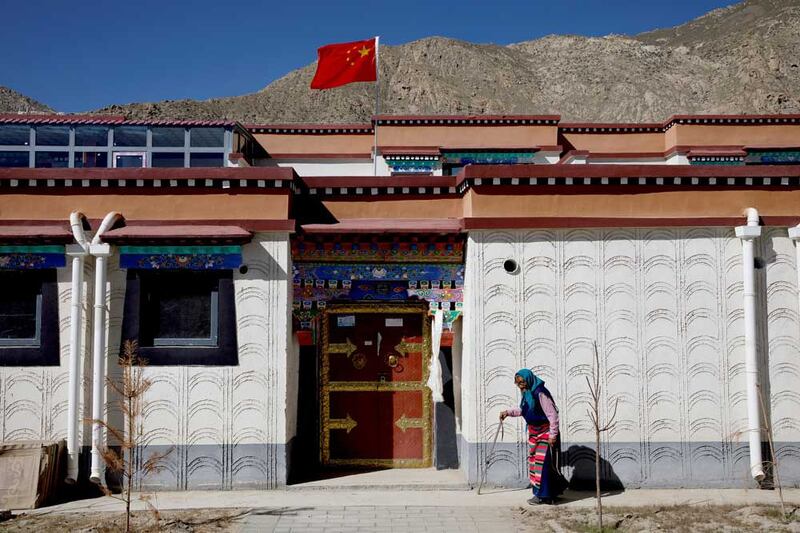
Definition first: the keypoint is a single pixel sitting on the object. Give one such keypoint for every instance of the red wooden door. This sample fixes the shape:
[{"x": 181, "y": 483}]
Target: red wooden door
[{"x": 375, "y": 402}]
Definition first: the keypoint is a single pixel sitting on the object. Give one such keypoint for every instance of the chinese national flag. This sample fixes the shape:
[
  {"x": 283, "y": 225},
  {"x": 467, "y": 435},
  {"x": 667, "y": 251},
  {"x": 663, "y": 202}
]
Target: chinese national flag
[{"x": 343, "y": 63}]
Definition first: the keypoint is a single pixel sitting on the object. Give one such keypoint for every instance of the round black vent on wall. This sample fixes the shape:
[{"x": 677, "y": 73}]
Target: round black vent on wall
[{"x": 510, "y": 266}]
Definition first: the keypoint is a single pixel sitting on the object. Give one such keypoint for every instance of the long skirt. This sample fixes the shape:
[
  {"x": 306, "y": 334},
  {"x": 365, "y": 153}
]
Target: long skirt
[{"x": 540, "y": 467}]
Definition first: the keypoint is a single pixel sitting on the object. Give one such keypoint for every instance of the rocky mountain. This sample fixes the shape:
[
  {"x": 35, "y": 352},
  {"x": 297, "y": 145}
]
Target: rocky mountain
[
  {"x": 740, "y": 59},
  {"x": 13, "y": 102}
]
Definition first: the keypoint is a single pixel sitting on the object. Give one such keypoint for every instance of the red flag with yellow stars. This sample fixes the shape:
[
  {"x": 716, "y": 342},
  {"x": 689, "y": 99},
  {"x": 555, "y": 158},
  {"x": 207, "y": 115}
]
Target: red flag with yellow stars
[{"x": 343, "y": 63}]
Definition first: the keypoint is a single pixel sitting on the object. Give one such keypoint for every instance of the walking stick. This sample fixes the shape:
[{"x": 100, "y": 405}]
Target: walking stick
[{"x": 499, "y": 431}]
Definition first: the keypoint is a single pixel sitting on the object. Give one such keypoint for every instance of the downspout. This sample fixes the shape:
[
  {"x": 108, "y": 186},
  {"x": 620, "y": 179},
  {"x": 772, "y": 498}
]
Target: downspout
[
  {"x": 794, "y": 234},
  {"x": 748, "y": 234},
  {"x": 78, "y": 253},
  {"x": 101, "y": 252}
]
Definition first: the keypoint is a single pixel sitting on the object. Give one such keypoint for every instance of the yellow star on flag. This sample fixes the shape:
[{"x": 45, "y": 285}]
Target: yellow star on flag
[{"x": 364, "y": 51}]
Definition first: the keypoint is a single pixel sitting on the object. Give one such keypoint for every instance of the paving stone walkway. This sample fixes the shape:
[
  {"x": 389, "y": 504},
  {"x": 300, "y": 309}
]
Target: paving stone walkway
[{"x": 380, "y": 519}]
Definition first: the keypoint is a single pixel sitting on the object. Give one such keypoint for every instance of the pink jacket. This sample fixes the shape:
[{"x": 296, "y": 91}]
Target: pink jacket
[{"x": 549, "y": 409}]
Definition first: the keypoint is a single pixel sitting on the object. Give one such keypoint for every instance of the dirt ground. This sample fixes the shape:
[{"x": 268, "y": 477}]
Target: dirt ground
[
  {"x": 663, "y": 518},
  {"x": 191, "y": 521},
  {"x": 559, "y": 519}
]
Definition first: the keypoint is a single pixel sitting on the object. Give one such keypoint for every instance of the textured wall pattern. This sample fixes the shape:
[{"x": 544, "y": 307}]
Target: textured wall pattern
[
  {"x": 665, "y": 308},
  {"x": 226, "y": 425},
  {"x": 33, "y": 400}
]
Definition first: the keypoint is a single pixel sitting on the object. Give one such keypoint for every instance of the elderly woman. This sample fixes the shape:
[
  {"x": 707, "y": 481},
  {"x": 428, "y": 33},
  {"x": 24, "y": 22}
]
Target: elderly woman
[{"x": 539, "y": 410}]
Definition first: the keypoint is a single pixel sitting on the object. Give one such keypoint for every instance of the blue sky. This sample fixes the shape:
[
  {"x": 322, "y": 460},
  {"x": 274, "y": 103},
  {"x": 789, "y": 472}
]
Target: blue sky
[{"x": 81, "y": 55}]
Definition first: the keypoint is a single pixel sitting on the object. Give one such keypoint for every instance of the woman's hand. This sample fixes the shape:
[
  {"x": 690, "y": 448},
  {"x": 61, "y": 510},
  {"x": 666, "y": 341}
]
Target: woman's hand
[{"x": 503, "y": 415}]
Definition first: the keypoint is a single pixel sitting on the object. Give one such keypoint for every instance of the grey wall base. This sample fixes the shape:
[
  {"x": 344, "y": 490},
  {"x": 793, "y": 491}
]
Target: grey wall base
[
  {"x": 212, "y": 467},
  {"x": 669, "y": 465}
]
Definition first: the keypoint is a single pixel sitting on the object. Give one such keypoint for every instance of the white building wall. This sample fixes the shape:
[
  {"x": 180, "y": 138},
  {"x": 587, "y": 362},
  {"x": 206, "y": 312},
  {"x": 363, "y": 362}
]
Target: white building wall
[
  {"x": 227, "y": 426},
  {"x": 230, "y": 426},
  {"x": 33, "y": 400},
  {"x": 665, "y": 308},
  {"x": 330, "y": 167}
]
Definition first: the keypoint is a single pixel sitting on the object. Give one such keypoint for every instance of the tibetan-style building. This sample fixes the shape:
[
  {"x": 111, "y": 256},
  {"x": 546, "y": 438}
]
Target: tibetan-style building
[{"x": 320, "y": 296}]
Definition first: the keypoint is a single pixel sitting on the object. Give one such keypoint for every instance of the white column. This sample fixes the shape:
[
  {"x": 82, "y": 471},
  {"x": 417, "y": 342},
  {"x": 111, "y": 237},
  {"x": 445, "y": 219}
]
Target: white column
[
  {"x": 748, "y": 234},
  {"x": 101, "y": 252},
  {"x": 794, "y": 234},
  {"x": 77, "y": 253}
]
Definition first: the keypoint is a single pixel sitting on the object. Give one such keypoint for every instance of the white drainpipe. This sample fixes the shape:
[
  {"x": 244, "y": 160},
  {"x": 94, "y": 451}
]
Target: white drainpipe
[
  {"x": 101, "y": 252},
  {"x": 748, "y": 234},
  {"x": 78, "y": 253},
  {"x": 794, "y": 234}
]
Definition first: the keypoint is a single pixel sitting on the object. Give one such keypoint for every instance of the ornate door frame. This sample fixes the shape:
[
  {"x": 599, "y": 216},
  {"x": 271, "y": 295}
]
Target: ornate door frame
[{"x": 327, "y": 386}]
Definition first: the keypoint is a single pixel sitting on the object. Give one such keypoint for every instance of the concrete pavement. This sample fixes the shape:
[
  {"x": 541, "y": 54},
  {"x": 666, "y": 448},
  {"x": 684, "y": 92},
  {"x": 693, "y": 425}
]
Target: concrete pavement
[
  {"x": 381, "y": 497},
  {"x": 407, "y": 508}
]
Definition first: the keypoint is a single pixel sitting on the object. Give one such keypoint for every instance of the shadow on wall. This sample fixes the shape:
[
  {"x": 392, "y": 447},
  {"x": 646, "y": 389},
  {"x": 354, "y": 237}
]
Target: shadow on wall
[{"x": 581, "y": 460}]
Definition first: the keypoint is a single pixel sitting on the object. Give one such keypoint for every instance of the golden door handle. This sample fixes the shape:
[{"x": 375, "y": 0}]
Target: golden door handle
[{"x": 392, "y": 360}]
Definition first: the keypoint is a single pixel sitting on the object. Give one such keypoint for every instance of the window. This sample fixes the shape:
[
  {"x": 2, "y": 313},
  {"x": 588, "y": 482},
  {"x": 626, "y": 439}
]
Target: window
[
  {"x": 14, "y": 159},
  {"x": 91, "y": 136},
  {"x": 52, "y": 159},
  {"x": 130, "y": 136},
  {"x": 206, "y": 160},
  {"x": 29, "y": 318},
  {"x": 207, "y": 137},
  {"x": 20, "y": 313},
  {"x": 181, "y": 317},
  {"x": 129, "y": 160},
  {"x": 15, "y": 135},
  {"x": 52, "y": 136},
  {"x": 170, "y": 137},
  {"x": 167, "y": 159},
  {"x": 91, "y": 159}
]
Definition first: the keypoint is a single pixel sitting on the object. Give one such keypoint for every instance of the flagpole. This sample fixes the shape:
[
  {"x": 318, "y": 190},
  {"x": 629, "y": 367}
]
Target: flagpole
[{"x": 377, "y": 108}]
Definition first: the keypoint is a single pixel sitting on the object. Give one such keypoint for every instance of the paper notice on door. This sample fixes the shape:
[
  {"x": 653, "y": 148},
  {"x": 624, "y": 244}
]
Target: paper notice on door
[
  {"x": 346, "y": 321},
  {"x": 394, "y": 322},
  {"x": 367, "y": 343}
]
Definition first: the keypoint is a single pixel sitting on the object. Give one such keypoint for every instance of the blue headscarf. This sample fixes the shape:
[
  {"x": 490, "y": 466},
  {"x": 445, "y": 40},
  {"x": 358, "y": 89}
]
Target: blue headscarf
[{"x": 528, "y": 401}]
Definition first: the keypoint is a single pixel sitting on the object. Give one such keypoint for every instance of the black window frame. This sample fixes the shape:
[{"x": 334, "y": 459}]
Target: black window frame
[
  {"x": 199, "y": 159},
  {"x": 45, "y": 133},
  {"x": 97, "y": 136},
  {"x": 48, "y": 351},
  {"x": 53, "y": 155},
  {"x": 225, "y": 353}
]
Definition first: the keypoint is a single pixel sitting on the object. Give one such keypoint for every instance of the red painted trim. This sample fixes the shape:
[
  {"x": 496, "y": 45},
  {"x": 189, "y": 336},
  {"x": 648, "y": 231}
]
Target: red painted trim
[
  {"x": 627, "y": 171},
  {"x": 779, "y": 117},
  {"x": 465, "y": 117},
  {"x": 177, "y": 231},
  {"x": 627, "y": 155},
  {"x": 717, "y": 120},
  {"x": 11, "y": 118},
  {"x": 309, "y": 126},
  {"x": 230, "y": 173},
  {"x": 771, "y": 148},
  {"x": 30, "y": 232},
  {"x": 17, "y": 222},
  {"x": 367, "y": 182},
  {"x": 716, "y": 153},
  {"x": 610, "y": 125},
  {"x": 409, "y": 150},
  {"x": 479, "y": 223},
  {"x": 382, "y": 226},
  {"x": 363, "y": 155},
  {"x": 246, "y": 224}
]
